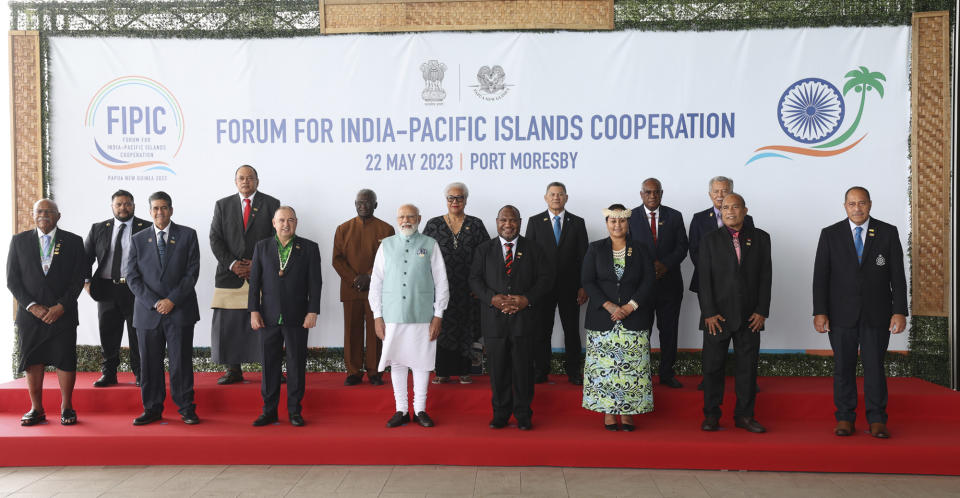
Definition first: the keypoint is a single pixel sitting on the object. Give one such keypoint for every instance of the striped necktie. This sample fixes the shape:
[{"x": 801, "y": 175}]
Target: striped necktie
[{"x": 508, "y": 259}]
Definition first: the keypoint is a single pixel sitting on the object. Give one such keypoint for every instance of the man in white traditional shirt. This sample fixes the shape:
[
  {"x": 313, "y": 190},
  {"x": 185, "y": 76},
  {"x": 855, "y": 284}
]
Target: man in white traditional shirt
[{"x": 408, "y": 293}]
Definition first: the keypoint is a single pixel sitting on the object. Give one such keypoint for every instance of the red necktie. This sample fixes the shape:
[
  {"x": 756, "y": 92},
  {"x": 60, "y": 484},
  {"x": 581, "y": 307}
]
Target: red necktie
[
  {"x": 653, "y": 226},
  {"x": 246, "y": 212},
  {"x": 736, "y": 244},
  {"x": 508, "y": 258}
]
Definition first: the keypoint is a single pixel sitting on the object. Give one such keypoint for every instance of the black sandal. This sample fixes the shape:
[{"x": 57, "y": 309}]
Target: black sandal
[
  {"x": 33, "y": 417},
  {"x": 68, "y": 417}
]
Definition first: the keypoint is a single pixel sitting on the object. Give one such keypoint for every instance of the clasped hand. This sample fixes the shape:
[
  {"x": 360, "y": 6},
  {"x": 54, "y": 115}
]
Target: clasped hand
[
  {"x": 617, "y": 313},
  {"x": 508, "y": 303},
  {"x": 45, "y": 314},
  {"x": 242, "y": 268}
]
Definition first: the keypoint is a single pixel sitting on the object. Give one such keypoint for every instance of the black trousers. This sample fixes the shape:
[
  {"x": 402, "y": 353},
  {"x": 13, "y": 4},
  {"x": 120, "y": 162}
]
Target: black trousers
[
  {"x": 112, "y": 314},
  {"x": 273, "y": 340},
  {"x": 451, "y": 362},
  {"x": 178, "y": 341},
  {"x": 746, "y": 351},
  {"x": 872, "y": 344},
  {"x": 666, "y": 310},
  {"x": 509, "y": 361},
  {"x": 566, "y": 301}
]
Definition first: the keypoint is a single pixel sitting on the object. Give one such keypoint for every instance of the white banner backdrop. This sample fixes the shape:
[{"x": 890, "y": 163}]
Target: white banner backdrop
[{"x": 784, "y": 113}]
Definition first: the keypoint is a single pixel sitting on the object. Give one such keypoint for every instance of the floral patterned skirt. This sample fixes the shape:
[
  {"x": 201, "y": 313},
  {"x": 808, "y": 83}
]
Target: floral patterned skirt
[{"x": 616, "y": 375}]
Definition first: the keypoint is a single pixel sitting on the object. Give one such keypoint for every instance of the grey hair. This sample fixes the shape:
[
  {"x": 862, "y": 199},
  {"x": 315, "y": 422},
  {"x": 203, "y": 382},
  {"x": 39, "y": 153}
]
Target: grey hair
[
  {"x": 459, "y": 185},
  {"x": 720, "y": 179},
  {"x": 367, "y": 191},
  {"x": 415, "y": 208},
  {"x": 652, "y": 179},
  {"x": 557, "y": 184},
  {"x": 289, "y": 208},
  {"x": 45, "y": 199}
]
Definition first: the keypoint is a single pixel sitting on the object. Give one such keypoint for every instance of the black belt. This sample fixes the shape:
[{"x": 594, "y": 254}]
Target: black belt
[{"x": 121, "y": 281}]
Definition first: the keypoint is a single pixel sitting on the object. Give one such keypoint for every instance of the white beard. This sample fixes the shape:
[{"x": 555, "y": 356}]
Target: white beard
[{"x": 406, "y": 232}]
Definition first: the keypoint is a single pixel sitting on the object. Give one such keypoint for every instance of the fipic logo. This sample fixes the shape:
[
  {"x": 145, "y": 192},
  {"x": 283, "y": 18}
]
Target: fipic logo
[
  {"x": 135, "y": 123},
  {"x": 811, "y": 111}
]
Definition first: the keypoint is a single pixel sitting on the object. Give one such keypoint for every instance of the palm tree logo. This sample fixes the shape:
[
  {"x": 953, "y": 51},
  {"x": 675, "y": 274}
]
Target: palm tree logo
[{"x": 811, "y": 111}]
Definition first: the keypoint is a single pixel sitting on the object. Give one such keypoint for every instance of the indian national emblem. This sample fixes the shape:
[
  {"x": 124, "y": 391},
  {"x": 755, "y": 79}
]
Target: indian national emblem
[{"x": 433, "y": 76}]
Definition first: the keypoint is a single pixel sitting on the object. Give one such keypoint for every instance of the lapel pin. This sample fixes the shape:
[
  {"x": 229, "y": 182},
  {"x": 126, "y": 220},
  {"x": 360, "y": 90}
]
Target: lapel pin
[
  {"x": 880, "y": 260},
  {"x": 467, "y": 228},
  {"x": 297, "y": 246},
  {"x": 108, "y": 223},
  {"x": 256, "y": 209},
  {"x": 149, "y": 240},
  {"x": 546, "y": 219},
  {"x": 629, "y": 252},
  {"x": 711, "y": 214}
]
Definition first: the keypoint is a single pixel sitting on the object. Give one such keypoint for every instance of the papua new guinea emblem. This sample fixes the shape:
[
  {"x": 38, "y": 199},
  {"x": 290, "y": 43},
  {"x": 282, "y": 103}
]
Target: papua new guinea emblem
[
  {"x": 490, "y": 83},
  {"x": 433, "y": 77}
]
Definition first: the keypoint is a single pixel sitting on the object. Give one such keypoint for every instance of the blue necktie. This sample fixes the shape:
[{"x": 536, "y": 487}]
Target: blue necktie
[
  {"x": 45, "y": 253},
  {"x": 161, "y": 247},
  {"x": 556, "y": 228},
  {"x": 858, "y": 243}
]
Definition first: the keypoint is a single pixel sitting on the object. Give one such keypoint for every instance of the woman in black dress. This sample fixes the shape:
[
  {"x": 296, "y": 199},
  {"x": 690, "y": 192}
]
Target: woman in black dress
[{"x": 458, "y": 234}]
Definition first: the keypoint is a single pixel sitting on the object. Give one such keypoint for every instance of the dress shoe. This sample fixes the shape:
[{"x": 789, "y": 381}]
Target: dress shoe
[
  {"x": 749, "y": 424},
  {"x": 376, "y": 379},
  {"x": 147, "y": 418},
  {"x": 33, "y": 417},
  {"x": 844, "y": 428},
  {"x": 671, "y": 382},
  {"x": 498, "y": 423},
  {"x": 190, "y": 418},
  {"x": 68, "y": 417},
  {"x": 879, "y": 430},
  {"x": 628, "y": 427},
  {"x": 283, "y": 378},
  {"x": 353, "y": 380},
  {"x": 265, "y": 419},
  {"x": 230, "y": 377},
  {"x": 138, "y": 381},
  {"x": 398, "y": 419},
  {"x": 576, "y": 380},
  {"x": 710, "y": 424},
  {"x": 106, "y": 380},
  {"x": 423, "y": 419},
  {"x": 466, "y": 379},
  {"x": 524, "y": 425},
  {"x": 611, "y": 427},
  {"x": 296, "y": 420}
]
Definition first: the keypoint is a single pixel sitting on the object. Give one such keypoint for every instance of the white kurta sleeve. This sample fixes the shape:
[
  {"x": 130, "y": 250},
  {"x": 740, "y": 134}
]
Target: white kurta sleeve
[
  {"x": 375, "y": 295},
  {"x": 440, "y": 285}
]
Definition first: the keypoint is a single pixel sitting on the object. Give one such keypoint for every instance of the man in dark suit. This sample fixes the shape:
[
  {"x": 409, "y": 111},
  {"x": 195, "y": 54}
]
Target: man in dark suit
[
  {"x": 707, "y": 221},
  {"x": 736, "y": 275},
  {"x": 511, "y": 276},
  {"x": 661, "y": 229},
  {"x": 162, "y": 272},
  {"x": 284, "y": 299},
  {"x": 859, "y": 298},
  {"x": 45, "y": 272},
  {"x": 108, "y": 244},
  {"x": 563, "y": 237},
  {"x": 239, "y": 222}
]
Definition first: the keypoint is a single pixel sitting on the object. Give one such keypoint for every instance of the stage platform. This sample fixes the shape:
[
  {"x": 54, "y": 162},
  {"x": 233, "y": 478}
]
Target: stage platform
[{"x": 346, "y": 425}]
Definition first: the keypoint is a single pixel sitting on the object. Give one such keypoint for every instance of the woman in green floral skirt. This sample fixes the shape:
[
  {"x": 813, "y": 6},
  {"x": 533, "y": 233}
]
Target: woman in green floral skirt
[{"x": 618, "y": 276}]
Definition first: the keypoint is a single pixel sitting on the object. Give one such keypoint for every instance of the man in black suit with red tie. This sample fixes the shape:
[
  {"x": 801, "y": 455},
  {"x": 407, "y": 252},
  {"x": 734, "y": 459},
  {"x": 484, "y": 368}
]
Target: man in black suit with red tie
[
  {"x": 736, "y": 276},
  {"x": 707, "y": 221},
  {"x": 661, "y": 229},
  {"x": 511, "y": 277},
  {"x": 108, "y": 244},
  {"x": 859, "y": 298},
  {"x": 563, "y": 237},
  {"x": 45, "y": 272},
  {"x": 285, "y": 283}
]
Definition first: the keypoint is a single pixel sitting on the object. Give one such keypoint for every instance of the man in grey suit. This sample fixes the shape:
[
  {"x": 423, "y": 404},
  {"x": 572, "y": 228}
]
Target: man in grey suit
[
  {"x": 162, "y": 272},
  {"x": 239, "y": 222}
]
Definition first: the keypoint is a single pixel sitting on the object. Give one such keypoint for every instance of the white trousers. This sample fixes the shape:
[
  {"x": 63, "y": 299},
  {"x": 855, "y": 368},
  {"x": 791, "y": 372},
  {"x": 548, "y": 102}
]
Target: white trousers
[{"x": 421, "y": 379}]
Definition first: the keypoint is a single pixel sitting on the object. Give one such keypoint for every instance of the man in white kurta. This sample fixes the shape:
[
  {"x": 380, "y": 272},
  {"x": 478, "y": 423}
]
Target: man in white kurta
[{"x": 408, "y": 293}]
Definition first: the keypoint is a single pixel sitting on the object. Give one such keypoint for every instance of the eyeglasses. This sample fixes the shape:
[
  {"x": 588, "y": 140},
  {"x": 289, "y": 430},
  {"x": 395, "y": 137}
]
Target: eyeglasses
[
  {"x": 651, "y": 192},
  {"x": 456, "y": 198}
]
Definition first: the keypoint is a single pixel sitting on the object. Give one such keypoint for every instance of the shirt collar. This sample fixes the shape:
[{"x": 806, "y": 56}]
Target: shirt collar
[
  {"x": 648, "y": 211},
  {"x": 503, "y": 241},
  {"x": 52, "y": 234},
  {"x": 166, "y": 231},
  {"x": 853, "y": 226},
  {"x": 251, "y": 197},
  {"x": 128, "y": 222},
  {"x": 561, "y": 214}
]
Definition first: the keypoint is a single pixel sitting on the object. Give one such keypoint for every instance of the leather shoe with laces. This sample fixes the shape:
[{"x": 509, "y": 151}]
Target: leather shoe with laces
[
  {"x": 147, "y": 418},
  {"x": 398, "y": 419},
  {"x": 844, "y": 428},
  {"x": 190, "y": 418},
  {"x": 231, "y": 377},
  {"x": 265, "y": 419},
  {"x": 879, "y": 430},
  {"x": 710, "y": 424},
  {"x": 296, "y": 420},
  {"x": 749, "y": 424},
  {"x": 106, "y": 380},
  {"x": 423, "y": 419}
]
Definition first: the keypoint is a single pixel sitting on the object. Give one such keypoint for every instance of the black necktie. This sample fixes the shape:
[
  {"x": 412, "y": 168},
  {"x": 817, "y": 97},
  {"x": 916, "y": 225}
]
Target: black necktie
[{"x": 115, "y": 272}]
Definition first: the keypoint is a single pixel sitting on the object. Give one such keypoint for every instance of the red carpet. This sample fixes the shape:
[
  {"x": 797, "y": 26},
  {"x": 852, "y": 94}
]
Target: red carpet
[{"x": 346, "y": 426}]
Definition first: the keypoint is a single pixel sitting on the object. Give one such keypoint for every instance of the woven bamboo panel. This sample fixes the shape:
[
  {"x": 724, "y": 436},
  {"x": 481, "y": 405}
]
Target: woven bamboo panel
[
  {"x": 364, "y": 16},
  {"x": 26, "y": 149},
  {"x": 930, "y": 145}
]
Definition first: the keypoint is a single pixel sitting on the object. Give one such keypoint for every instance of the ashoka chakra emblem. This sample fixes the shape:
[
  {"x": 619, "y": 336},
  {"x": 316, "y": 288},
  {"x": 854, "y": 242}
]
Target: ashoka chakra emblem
[{"x": 810, "y": 110}]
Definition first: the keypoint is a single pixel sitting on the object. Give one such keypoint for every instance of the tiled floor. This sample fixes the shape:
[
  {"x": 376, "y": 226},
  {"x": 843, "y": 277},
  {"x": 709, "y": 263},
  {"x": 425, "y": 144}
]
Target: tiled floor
[{"x": 428, "y": 481}]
